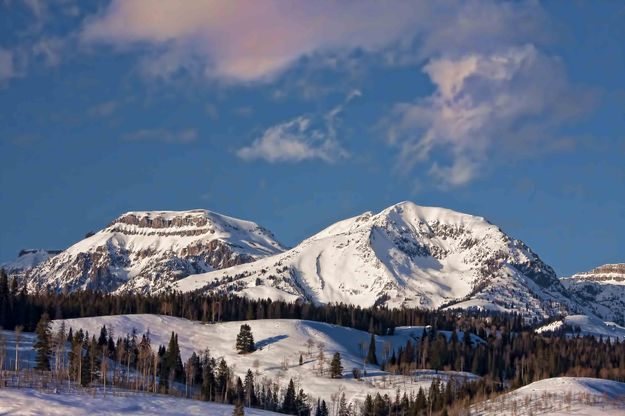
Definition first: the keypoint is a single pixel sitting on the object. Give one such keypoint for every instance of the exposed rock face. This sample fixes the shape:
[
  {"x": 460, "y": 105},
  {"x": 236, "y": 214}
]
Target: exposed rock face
[
  {"x": 601, "y": 290},
  {"x": 144, "y": 251},
  {"x": 406, "y": 255},
  {"x": 607, "y": 272}
]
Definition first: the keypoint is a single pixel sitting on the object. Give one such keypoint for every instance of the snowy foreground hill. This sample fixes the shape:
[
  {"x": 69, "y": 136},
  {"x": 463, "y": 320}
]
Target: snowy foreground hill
[
  {"x": 559, "y": 396},
  {"x": 142, "y": 251},
  {"x": 30, "y": 402},
  {"x": 280, "y": 343},
  {"x": 406, "y": 255},
  {"x": 555, "y": 397}
]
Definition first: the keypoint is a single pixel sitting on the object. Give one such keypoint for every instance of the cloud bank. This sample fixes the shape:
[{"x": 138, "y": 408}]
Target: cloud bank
[{"x": 248, "y": 40}]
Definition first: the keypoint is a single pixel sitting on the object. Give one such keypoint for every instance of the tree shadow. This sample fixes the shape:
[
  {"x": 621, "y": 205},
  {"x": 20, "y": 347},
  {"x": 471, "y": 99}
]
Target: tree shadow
[{"x": 268, "y": 341}]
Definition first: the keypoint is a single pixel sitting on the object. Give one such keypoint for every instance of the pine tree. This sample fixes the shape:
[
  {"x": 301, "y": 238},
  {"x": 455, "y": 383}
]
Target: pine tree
[
  {"x": 173, "y": 360},
  {"x": 85, "y": 367},
  {"x": 336, "y": 368},
  {"x": 239, "y": 391},
  {"x": 245, "y": 340},
  {"x": 371, "y": 356},
  {"x": 223, "y": 375},
  {"x": 238, "y": 409},
  {"x": 343, "y": 409},
  {"x": 288, "y": 405},
  {"x": 208, "y": 377},
  {"x": 322, "y": 408},
  {"x": 42, "y": 346},
  {"x": 250, "y": 394},
  {"x": 103, "y": 339},
  {"x": 4, "y": 298},
  {"x": 367, "y": 407},
  {"x": 421, "y": 401},
  {"x": 301, "y": 404}
]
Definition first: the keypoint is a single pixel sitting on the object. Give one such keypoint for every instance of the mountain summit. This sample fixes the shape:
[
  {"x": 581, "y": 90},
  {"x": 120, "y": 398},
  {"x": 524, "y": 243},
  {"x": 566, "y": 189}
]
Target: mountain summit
[
  {"x": 601, "y": 290},
  {"x": 406, "y": 255},
  {"x": 144, "y": 251}
]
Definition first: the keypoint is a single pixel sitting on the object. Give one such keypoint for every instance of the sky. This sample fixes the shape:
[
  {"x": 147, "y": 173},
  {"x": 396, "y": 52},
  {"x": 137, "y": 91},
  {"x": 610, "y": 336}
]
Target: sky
[{"x": 298, "y": 114}]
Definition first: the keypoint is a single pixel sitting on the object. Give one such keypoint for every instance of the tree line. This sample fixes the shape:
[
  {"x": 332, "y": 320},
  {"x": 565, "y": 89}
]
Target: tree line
[{"x": 20, "y": 307}]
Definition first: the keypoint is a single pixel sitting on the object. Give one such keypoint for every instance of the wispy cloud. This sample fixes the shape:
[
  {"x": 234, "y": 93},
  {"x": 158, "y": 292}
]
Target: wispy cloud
[
  {"x": 49, "y": 49},
  {"x": 302, "y": 138},
  {"x": 168, "y": 136},
  {"x": 7, "y": 65},
  {"x": 103, "y": 109},
  {"x": 481, "y": 102}
]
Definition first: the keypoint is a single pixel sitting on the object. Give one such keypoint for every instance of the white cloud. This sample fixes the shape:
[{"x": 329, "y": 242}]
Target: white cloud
[
  {"x": 299, "y": 139},
  {"x": 169, "y": 136},
  {"x": 480, "y": 102}
]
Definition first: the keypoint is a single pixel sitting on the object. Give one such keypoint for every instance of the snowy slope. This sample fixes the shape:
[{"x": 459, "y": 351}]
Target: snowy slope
[
  {"x": 279, "y": 341},
  {"x": 406, "y": 255},
  {"x": 559, "y": 396},
  {"x": 142, "y": 251},
  {"x": 31, "y": 402},
  {"x": 601, "y": 290},
  {"x": 586, "y": 325}
]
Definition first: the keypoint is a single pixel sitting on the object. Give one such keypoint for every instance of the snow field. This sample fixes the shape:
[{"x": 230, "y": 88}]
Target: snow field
[{"x": 27, "y": 402}]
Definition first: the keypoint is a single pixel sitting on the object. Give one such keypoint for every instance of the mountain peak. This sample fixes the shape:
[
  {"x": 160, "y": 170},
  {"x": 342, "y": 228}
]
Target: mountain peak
[
  {"x": 405, "y": 255},
  {"x": 144, "y": 250}
]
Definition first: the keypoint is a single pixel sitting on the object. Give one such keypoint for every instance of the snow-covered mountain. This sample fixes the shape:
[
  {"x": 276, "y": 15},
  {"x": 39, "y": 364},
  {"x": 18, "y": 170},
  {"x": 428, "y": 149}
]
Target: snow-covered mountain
[
  {"x": 26, "y": 260},
  {"x": 406, "y": 255},
  {"x": 143, "y": 251},
  {"x": 602, "y": 290}
]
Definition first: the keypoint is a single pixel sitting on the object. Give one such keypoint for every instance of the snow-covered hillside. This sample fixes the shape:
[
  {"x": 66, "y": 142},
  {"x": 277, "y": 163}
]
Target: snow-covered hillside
[
  {"x": 581, "y": 325},
  {"x": 406, "y": 255},
  {"x": 26, "y": 261},
  {"x": 142, "y": 251},
  {"x": 31, "y": 402},
  {"x": 559, "y": 396},
  {"x": 601, "y": 290},
  {"x": 280, "y": 343}
]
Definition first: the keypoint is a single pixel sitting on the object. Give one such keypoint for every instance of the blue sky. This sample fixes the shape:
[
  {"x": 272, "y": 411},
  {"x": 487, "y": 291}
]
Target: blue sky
[{"x": 296, "y": 117}]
